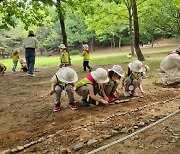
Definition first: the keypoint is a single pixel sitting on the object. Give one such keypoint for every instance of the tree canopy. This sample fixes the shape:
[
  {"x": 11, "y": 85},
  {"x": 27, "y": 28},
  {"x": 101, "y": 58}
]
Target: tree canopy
[{"x": 105, "y": 21}]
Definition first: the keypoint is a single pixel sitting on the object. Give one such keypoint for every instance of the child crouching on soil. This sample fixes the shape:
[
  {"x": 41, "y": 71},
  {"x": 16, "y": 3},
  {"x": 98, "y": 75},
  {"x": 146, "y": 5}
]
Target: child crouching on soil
[
  {"x": 133, "y": 79},
  {"x": 92, "y": 85},
  {"x": 64, "y": 79},
  {"x": 2, "y": 69},
  {"x": 23, "y": 65},
  {"x": 115, "y": 75}
]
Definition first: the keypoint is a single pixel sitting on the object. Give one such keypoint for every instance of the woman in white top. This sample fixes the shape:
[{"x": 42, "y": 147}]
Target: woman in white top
[
  {"x": 171, "y": 66},
  {"x": 30, "y": 44}
]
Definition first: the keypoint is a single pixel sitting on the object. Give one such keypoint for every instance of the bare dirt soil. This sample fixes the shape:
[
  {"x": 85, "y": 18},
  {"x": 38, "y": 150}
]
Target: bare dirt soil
[
  {"x": 26, "y": 115},
  {"x": 160, "y": 139}
]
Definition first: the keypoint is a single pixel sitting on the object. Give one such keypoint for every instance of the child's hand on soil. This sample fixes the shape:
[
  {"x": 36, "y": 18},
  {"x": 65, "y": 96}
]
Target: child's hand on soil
[
  {"x": 72, "y": 89},
  {"x": 104, "y": 102},
  {"x": 121, "y": 88},
  {"x": 51, "y": 92},
  {"x": 143, "y": 92},
  {"x": 106, "y": 98}
]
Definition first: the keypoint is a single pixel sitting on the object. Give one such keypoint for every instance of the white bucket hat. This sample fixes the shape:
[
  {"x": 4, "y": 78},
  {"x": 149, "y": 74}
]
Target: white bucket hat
[
  {"x": 178, "y": 49},
  {"x": 100, "y": 75},
  {"x": 118, "y": 70},
  {"x": 67, "y": 75},
  {"x": 85, "y": 46},
  {"x": 21, "y": 60},
  {"x": 135, "y": 66},
  {"x": 147, "y": 68},
  {"x": 62, "y": 46}
]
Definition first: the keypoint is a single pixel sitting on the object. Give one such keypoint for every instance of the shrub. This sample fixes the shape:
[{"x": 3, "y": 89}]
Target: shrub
[{"x": 74, "y": 52}]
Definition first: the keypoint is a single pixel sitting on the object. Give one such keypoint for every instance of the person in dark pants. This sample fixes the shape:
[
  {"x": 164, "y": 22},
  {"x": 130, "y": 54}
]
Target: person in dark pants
[
  {"x": 86, "y": 57},
  {"x": 30, "y": 44}
]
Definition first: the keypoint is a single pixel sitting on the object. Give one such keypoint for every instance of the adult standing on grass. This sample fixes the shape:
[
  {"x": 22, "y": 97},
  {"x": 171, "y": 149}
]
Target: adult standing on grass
[
  {"x": 171, "y": 67},
  {"x": 86, "y": 57},
  {"x": 30, "y": 44}
]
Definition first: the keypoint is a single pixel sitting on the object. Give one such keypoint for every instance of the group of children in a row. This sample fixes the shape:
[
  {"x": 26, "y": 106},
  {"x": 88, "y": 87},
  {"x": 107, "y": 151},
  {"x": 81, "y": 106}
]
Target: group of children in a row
[
  {"x": 99, "y": 86},
  {"x": 15, "y": 60},
  {"x": 64, "y": 60}
]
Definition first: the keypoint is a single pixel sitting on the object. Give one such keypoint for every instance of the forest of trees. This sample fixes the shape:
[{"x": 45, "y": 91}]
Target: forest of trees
[{"x": 96, "y": 22}]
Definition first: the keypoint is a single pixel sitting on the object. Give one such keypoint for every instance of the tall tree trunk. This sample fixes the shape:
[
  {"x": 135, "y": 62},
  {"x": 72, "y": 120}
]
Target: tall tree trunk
[
  {"x": 128, "y": 4},
  {"x": 152, "y": 39},
  {"x": 119, "y": 43},
  {"x": 136, "y": 32},
  {"x": 113, "y": 41},
  {"x": 62, "y": 24},
  {"x": 131, "y": 33},
  {"x": 92, "y": 44},
  {"x": 82, "y": 47}
]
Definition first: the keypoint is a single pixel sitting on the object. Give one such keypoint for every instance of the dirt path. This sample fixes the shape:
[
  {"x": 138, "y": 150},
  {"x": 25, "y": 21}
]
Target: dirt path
[
  {"x": 163, "y": 138},
  {"x": 26, "y": 114}
]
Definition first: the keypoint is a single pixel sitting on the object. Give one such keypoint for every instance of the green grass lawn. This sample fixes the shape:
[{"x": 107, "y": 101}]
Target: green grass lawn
[{"x": 101, "y": 58}]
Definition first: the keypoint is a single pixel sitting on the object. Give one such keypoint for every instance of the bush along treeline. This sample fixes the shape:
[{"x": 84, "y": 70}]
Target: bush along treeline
[{"x": 100, "y": 23}]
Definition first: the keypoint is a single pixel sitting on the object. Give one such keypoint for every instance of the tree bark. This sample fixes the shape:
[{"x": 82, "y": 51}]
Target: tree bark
[
  {"x": 131, "y": 33},
  {"x": 92, "y": 44},
  {"x": 62, "y": 24},
  {"x": 136, "y": 32},
  {"x": 128, "y": 4},
  {"x": 119, "y": 43},
  {"x": 152, "y": 40},
  {"x": 113, "y": 41}
]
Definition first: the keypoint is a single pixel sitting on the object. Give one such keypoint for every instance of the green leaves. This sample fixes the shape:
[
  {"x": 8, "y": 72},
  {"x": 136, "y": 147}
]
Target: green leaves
[
  {"x": 30, "y": 13},
  {"x": 160, "y": 16}
]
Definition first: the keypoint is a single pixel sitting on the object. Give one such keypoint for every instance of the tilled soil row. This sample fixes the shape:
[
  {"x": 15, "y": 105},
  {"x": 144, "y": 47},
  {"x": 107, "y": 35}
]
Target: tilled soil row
[
  {"x": 96, "y": 131},
  {"x": 163, "y": 138}
]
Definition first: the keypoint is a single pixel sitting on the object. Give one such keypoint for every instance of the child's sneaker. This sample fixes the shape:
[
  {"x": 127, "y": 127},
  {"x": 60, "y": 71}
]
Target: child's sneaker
[
  {"x": 97, "y": 102},
  {"x": 73, "y": 106},
  {"x": 126, "y": 94},
  {"x": 85, "y": 103},
  {"x": 111, "y": 99},
  {"x": 164, "y": 81},
  {"x": 90, "y": 69},
  {"x": 114, "y": 96},
  {"x": 32, "y": 75},
  {"x": 135, "y": 94},
  {"x": 56, "y": 108}
]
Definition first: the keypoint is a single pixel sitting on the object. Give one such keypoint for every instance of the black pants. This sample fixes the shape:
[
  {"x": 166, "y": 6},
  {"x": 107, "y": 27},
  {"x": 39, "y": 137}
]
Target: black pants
[{"x": 86, "y": 64}]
